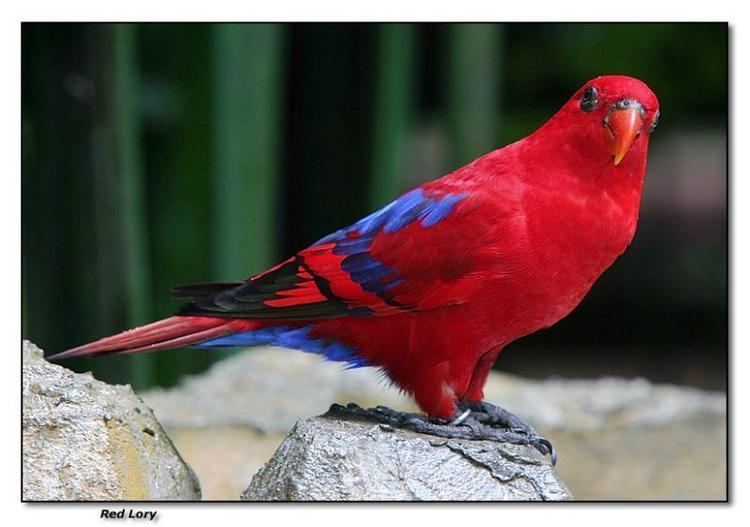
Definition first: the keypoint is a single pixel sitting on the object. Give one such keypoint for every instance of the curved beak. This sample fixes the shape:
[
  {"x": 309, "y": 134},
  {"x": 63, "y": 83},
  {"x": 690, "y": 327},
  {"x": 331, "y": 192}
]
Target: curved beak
[{"x": 624, "y": 124}]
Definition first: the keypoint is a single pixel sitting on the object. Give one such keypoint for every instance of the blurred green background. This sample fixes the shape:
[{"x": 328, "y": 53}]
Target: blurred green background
[{"x": 161, "y": 154}]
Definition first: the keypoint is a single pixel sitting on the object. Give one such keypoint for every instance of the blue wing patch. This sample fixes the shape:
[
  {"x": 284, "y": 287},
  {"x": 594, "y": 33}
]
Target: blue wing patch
[
  {"x": 296, "y": 338},
  {"x": 372, "y": 275},
  {"x": 438, "y": 209},
  {"x": 355, "y": 241},
  {"x": 410, "y": 207}
]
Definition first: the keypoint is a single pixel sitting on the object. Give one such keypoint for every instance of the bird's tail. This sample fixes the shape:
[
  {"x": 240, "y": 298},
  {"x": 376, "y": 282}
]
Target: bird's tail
[{"x": 172, "y": 332}]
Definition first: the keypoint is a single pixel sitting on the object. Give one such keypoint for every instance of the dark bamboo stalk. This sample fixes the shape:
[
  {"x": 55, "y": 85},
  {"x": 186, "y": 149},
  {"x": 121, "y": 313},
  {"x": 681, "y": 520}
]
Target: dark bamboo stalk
[
  {"x": 247, "y": 113},
  {"x": 474, "y": 68},
  {"x": 393, "y": 106}
]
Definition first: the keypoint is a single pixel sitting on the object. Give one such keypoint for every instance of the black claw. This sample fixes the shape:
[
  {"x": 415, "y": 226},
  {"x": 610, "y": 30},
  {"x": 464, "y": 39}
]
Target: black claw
[{"x": 545, "y": 447}]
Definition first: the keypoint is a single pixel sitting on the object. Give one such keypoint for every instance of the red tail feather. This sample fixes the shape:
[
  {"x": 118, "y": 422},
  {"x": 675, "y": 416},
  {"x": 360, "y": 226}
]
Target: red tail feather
[{"x": 171, "y": 332}]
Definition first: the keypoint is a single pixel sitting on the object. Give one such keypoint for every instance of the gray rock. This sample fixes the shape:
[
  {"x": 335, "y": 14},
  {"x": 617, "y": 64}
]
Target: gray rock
[
  {"x": 86, "y": 440},
  {"x": 329, "y": 459}
]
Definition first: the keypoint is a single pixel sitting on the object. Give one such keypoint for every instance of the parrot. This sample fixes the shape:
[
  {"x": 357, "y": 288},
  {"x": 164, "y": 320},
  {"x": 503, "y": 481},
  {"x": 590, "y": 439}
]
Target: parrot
[{"x": 433, "y": 286}]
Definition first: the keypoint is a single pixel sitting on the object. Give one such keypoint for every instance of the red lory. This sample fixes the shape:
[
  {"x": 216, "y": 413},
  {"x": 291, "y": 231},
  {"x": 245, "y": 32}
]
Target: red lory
[{"x": 434, "y": 285}]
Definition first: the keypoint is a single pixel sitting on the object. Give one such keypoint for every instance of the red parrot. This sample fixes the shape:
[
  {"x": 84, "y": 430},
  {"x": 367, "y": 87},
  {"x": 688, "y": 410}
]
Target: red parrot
[{"x": 433, "y": 286}]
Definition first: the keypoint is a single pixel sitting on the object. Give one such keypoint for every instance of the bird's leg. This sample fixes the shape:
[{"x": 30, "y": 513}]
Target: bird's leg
[{"x": 482, "y": 422}]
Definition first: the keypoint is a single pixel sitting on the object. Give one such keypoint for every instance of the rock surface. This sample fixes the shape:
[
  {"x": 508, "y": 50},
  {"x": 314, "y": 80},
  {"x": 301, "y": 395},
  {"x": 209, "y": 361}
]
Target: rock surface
[
  {"x": 86, "y": 440},
  {"x": 616, "y": 438},
  {"x": 332, "y": 459}
]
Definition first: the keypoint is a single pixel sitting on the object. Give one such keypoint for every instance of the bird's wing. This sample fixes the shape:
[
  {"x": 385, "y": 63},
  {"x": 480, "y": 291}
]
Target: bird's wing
[{"x": 414, "y": 254}]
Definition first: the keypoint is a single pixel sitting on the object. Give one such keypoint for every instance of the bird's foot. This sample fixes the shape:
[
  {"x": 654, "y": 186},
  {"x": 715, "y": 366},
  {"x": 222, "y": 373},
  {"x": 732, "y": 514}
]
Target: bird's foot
[
  {"x": 501, "y": 420},
  {"x": 474, "y": 420}
]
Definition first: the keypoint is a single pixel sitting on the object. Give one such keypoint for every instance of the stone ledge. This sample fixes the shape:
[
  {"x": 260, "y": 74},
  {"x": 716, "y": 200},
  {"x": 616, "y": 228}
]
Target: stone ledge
[{"x": 327, "y": 458}]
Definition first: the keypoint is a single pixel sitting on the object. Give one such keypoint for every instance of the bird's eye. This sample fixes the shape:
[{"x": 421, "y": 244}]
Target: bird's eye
[
  {"x": 589, "y": 99},
  {"x": 654, "y": 123}
]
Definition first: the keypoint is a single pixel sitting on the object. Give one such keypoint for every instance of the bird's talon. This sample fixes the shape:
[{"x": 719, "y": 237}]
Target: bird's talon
[
  {"x": 553, "y": 455},
  {"x": 545, "y": 447}
]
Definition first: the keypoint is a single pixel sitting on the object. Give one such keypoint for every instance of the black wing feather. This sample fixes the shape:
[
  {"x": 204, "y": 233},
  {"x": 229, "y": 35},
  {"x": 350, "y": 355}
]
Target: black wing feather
[{"x": 247, "y": 299}]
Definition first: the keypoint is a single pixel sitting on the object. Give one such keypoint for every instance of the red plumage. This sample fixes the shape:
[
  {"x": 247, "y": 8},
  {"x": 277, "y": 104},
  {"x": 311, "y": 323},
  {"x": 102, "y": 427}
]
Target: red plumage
[{"x": 434, "y": 286}]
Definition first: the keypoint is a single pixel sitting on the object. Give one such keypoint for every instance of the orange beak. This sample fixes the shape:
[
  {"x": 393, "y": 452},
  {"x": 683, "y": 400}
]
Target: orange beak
[{"x": 624, "y": 125}]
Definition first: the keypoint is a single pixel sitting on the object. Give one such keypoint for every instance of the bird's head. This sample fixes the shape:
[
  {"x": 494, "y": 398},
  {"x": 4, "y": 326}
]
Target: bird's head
[{"x": 612, "y": 116}]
